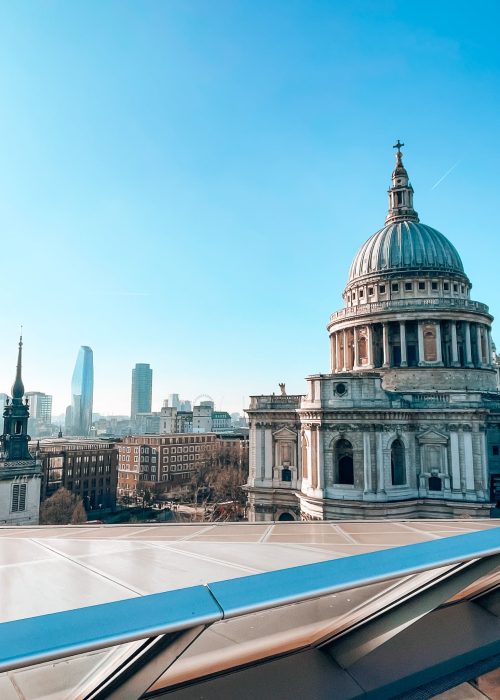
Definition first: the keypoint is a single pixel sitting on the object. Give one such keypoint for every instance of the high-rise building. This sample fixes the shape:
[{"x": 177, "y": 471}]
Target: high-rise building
[
  {"x": 40, "y": 420},
  {"x": 174, "y": 401},
  {"x": 142, "y": 389},
  {"x": 20, "y": 473},
  {"x": 82, "y": 393}
]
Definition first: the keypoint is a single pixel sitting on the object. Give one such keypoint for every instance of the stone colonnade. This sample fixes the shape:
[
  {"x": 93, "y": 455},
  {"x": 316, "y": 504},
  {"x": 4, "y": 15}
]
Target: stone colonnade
[{"x": 407, "y": 342}]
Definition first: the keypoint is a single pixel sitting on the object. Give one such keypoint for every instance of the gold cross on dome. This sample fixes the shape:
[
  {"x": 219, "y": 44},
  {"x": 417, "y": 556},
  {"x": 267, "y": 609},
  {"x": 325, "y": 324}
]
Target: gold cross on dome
[{"x": 398, "y": 146}]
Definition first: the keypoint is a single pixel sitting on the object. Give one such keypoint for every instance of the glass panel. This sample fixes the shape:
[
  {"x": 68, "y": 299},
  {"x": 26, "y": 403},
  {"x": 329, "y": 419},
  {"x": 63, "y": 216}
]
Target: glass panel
[
  {"x": 71, "y": 678},
  {"x": 249, "y": 638}
]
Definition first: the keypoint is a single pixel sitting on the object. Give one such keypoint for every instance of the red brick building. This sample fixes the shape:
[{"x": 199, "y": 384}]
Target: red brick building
[
  {"x": 170, "y": 458},
  {"x": 87, "y": 467}
]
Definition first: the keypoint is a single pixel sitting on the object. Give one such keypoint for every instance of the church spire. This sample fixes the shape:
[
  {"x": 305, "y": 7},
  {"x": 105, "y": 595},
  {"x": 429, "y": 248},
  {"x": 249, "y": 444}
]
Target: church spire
[
  {"x": 18, "y": 386},
  {"x": 15, "y": 436},
  {"x": 400, "y": 192}
]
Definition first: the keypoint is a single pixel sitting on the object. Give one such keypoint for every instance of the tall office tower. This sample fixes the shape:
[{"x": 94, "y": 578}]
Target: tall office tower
[
  {"x": 40, "y": 413},
  {"x": 40, "y": 406},
  {"x": 82, "y": 392},
  {"x": 174, "y": 401},
  {"x": 142, "y": 388}
]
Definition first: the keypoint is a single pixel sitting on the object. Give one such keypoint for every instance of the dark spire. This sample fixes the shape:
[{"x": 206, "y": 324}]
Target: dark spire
[
  {"x": 400, "y": 192},
  {"x": 15, "y": 436},
  {"x": 18, "y": 386}
]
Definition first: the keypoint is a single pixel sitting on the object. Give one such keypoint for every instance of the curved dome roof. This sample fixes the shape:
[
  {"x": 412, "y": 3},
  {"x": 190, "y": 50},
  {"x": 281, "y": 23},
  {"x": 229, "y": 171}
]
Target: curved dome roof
[{"x": 406, "y": 245}]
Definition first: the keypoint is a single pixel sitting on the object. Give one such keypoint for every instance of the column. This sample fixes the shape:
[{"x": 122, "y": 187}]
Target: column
[
  {"x": 421, "y": 355},
  {"x": 333, "y": 352},
  {"x": 380, "y": 465},
  {"x": 439, "y": 352},
  {"x": 344, "y": 369},
  {"x": 268, "y": 453},
  {"x": 489, "y": 346},
  {"x": 469, "y": 461},
  {"x": 454, "y": 344},
  {"x": 402, "y": 340},
  {"x": 455, "y": 462},
  {"x": 479, "y": 345},
  {"x": 339, "y": 353},
  {"x": 369, "y": 340},
  {"x": 367, "y": 463},
  {"x": 468, "y": 348},
  {"x": 385, "y": 344},
  {"x": 356, "y": 349}
]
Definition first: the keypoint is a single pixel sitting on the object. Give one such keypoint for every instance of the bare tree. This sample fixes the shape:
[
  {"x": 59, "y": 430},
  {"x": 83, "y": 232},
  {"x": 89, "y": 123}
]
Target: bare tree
[
  {"x": 222, "y": 471},
  {"x": 62, "y": 508}
]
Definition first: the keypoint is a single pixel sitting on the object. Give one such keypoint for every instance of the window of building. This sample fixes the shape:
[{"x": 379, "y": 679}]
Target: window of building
[
  {"x": 18, "y": 501},
  {"x": 408, "y": 286},
  {"x": 361, "y": 293},
  {"x": 435, "y": 483},
  {"x": 462, "y": 288},
  {"x": 496, "y": 450},
  {"x": 354, "y": 295},
  {"x": 455, "y": 287},
  {"x": 434, "y": 286},
  {"x": 370, "y": 291},
  {"x": 381, "y": 289},
  {"x": 398, "y": 468},
  {"x": 421, "y": 285},
  {"x": 395, "y": 287},
  {"x": 286, "y": 474},
  {"x": 344, "y": 461},
  {"x": 446, "y": 286}
]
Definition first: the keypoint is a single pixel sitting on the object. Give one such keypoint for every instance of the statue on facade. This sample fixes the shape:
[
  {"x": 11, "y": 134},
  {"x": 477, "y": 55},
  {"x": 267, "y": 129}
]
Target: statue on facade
[{"x": 283, "y": 389}]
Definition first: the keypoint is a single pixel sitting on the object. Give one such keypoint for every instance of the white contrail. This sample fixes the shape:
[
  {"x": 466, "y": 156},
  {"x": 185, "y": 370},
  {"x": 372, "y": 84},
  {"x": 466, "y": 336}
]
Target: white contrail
[{"x": 445, "y": 175}]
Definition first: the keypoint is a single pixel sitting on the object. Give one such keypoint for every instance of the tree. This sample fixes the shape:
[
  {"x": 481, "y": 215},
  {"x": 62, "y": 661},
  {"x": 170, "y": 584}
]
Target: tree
[
  {"x": 222, "y": 472},
  {"x": 62, "y": 508}
]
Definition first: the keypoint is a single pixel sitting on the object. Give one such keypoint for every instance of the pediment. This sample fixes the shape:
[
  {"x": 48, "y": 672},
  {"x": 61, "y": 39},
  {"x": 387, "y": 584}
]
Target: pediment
[
  {"x": 432, "y": 437},
  {"x": 285, "y": 434}
]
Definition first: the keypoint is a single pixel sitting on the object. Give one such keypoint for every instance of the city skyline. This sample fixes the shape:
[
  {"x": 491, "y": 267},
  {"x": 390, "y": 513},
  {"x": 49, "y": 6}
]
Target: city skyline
[{"x": 182, "y": 176}]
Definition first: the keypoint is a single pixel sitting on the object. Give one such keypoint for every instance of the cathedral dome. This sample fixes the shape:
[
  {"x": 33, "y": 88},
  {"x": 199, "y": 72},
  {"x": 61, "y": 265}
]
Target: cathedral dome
[{"x": 406, "y": 245}]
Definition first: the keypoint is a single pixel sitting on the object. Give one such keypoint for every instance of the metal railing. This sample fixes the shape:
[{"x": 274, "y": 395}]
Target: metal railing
[{"x": 58, "y": 635}]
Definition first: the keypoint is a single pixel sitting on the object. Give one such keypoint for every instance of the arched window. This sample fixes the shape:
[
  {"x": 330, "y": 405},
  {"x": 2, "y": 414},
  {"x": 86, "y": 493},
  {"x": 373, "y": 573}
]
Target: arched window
[
  {"x": 344, "y": 462},
  {"x": 398, "y": 468},
  {"x": 286, "y": 517}
]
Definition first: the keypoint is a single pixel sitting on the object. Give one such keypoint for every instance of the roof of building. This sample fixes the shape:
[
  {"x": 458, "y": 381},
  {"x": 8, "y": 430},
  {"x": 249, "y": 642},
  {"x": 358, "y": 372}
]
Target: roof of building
[
  {"x": 406, "y": 246},
  {"x": 242, "y": 595}
]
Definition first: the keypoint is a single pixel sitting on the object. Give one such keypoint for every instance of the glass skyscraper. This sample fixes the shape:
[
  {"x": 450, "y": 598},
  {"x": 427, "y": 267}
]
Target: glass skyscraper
[
  {"x": 82, "y": 392},
  {"x": 142, "y": 388}
]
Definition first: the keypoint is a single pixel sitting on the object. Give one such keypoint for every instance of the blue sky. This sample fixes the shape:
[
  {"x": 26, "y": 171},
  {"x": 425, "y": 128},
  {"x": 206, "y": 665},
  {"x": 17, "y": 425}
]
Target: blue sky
[{"x": 185, "y": 183}]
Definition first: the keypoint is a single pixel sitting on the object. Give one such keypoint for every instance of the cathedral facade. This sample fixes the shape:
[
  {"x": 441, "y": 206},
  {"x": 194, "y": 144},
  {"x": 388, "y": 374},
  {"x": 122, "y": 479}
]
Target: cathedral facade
[{"x": 407, "y": 422}]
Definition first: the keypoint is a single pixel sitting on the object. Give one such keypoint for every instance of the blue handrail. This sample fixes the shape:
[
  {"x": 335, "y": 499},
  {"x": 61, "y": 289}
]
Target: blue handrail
[{"x": 58, "y": 635}]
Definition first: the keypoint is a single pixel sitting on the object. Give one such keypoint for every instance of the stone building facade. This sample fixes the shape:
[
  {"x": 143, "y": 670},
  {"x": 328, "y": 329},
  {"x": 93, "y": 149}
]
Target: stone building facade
[{"x": 407, "y": 422}]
